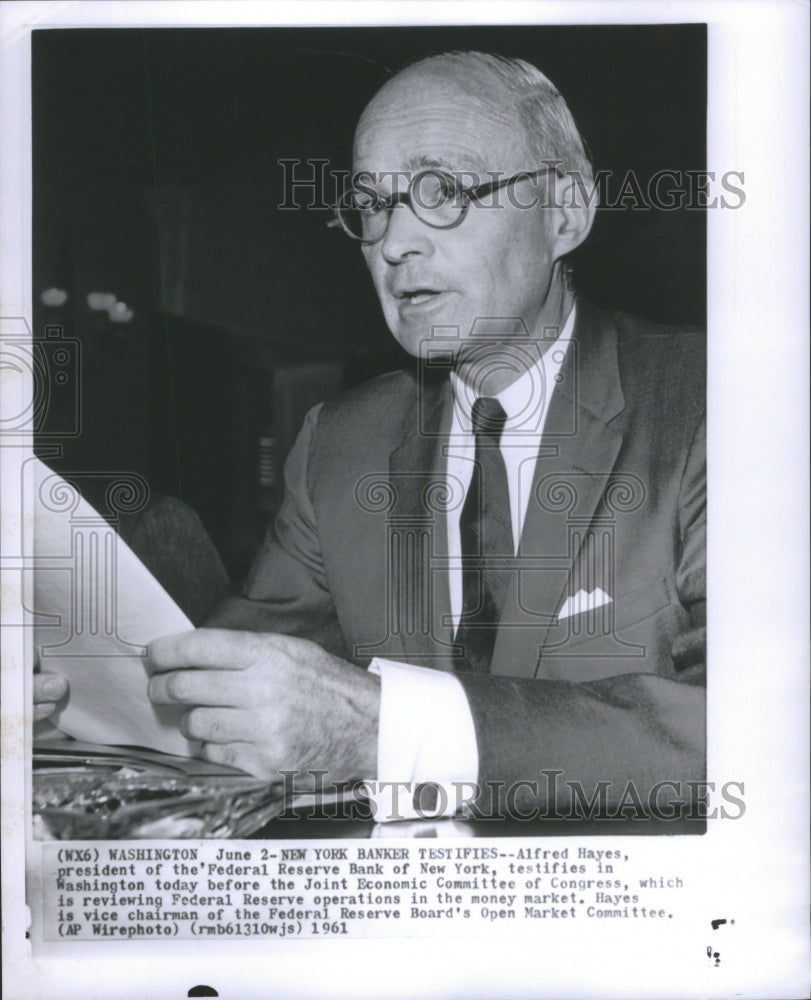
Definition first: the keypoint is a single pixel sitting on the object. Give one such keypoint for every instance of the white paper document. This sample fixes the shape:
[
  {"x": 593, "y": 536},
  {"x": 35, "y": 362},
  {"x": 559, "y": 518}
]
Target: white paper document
[{"x": 96, "y": 608}]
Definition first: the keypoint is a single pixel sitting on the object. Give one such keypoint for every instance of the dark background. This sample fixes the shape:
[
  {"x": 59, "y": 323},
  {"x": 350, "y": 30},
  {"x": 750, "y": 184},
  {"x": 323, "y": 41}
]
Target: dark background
[{"x": 156, "y": 178}]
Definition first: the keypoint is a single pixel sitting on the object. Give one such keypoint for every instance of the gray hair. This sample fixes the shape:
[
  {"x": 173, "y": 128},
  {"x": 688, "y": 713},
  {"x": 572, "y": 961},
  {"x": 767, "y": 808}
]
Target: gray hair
[{"x": 550, "y": 128}]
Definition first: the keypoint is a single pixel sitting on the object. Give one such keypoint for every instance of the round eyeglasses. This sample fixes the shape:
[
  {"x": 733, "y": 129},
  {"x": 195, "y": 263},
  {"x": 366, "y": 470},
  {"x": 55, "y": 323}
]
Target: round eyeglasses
[{"x": 436, "y": 198}]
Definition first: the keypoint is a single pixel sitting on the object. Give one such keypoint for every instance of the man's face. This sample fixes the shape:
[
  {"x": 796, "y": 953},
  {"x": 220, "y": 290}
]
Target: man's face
[{"x": 498, "y": 263}]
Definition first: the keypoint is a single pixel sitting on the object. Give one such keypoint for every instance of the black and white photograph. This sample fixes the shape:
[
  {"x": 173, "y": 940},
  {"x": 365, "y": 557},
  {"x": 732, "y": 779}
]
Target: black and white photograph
[
  {"x": 369, "y": 522},
  {"x": 285, "y": 410}
]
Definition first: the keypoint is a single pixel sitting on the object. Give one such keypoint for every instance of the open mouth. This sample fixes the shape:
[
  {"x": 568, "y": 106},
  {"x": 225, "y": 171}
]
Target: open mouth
[{"x": 418, "y": 296}]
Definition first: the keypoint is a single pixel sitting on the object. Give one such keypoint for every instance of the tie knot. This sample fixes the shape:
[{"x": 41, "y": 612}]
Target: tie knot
[{"x": 488, "y": 418}]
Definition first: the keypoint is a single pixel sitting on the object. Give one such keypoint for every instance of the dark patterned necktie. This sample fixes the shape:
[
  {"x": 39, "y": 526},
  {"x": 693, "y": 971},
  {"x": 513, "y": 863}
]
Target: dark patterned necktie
[{"x": 488, "y": 550}]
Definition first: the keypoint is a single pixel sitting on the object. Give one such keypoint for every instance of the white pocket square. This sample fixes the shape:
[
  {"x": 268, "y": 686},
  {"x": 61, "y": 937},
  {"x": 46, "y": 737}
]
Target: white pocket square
[{"x": 582, "y": 602}]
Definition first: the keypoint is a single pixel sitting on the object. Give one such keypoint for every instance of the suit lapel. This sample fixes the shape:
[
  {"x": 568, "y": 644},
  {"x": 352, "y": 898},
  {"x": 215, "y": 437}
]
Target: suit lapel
[
  {"x": 576, "y": 459},
  {"x": 418, "y": 532}
]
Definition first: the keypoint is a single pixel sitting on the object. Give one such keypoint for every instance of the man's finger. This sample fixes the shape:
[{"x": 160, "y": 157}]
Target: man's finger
[
  {"x": 199, "y": 687},
  {"x": 49, "y": 687},
  {"x": 216, "y": 648},
  {"x": 216, "y": 725}
]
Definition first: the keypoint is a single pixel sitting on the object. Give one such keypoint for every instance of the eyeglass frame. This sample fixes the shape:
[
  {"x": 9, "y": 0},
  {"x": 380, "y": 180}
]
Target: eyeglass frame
[{"x": 467, "y": 195}]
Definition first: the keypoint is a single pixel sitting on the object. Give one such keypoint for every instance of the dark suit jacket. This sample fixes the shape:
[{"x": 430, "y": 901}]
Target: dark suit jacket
[{"x": 354, "y": 561}]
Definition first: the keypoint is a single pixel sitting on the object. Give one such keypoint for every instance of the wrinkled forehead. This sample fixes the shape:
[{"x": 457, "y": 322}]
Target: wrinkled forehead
[{"x": 441, "y": 118}]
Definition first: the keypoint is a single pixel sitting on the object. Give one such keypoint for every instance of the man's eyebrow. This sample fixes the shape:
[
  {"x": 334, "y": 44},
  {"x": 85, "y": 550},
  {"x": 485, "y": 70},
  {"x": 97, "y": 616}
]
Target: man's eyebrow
[{"x": 446, "y": 162}]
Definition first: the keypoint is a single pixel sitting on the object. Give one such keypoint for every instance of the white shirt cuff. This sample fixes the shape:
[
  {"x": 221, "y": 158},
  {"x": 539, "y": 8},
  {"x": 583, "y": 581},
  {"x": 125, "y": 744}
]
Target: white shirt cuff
[{"x": 428, "y": 759}]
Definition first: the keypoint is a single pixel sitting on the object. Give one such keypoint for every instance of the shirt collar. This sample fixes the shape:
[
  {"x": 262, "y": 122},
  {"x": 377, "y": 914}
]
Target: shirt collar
[{"x": 525, "y": 400}]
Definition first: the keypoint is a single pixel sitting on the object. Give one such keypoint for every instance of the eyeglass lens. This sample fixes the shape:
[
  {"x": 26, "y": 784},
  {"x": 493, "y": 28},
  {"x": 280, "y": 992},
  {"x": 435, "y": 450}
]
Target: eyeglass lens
[{"x": 434, "y": 197}]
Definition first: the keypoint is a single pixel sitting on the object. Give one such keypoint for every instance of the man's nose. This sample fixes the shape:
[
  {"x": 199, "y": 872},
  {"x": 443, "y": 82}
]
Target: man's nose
[{"x": 406, "y": 235}]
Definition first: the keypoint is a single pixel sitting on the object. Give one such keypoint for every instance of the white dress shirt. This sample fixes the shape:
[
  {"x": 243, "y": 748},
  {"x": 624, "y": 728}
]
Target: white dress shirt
[{"x": 426, "y": 732}]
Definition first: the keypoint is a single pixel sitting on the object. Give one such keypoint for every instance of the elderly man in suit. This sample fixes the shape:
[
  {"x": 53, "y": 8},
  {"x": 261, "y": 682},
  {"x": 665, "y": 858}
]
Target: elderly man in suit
[{"x": 487, "y": 573}]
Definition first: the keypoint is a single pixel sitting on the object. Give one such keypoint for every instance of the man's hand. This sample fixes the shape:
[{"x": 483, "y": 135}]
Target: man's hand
[
  {"x": 266, "y": 703},
  {"x": 48, "y": 690}
]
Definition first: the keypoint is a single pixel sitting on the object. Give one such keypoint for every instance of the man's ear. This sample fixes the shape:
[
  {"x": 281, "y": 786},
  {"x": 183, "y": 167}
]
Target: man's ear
[{"x": 572, "y": 216}]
